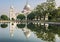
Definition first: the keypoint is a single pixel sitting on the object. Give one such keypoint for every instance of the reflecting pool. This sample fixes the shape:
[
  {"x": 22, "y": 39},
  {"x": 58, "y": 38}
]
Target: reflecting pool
[{"x": 29, "y": 32}]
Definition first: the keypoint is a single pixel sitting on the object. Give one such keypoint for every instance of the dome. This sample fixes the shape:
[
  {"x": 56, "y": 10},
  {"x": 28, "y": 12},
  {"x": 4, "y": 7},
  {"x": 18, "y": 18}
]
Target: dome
[
  {"x": 27, "y": 7},
  {"x": 11, "y": 7}
]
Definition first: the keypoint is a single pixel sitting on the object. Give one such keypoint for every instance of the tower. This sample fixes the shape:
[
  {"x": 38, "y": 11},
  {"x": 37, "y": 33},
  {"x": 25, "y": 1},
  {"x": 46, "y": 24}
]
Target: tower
[{"x": 12, "y": 13}]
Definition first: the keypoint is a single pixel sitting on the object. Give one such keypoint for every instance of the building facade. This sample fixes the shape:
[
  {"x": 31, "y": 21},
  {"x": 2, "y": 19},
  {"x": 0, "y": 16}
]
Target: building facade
[{"x": 26, "y": 10}]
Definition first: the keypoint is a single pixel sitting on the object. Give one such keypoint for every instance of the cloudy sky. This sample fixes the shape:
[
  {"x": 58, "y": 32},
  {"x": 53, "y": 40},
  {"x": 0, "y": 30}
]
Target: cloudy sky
[{"x": 19, "y": 4}]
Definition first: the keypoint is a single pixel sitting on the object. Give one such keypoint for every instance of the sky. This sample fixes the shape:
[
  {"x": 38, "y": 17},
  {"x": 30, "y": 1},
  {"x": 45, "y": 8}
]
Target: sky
[{"x": 19, "y": 5}]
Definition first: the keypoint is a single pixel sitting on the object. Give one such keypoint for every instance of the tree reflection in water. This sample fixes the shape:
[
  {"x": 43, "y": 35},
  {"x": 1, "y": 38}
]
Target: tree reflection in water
[
  {"x": 46, "y": 32},
  {"x": 25, "y": 30},
  {"x": 43, "y": 33},
  {"x": 4, "y": 25},
  {"x": 20, "y": 25}
]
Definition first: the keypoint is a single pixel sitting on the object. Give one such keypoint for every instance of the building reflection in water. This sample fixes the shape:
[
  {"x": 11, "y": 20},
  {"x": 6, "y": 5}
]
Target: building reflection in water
[
  {"x": 44, "y": 31},
  {"x": 43, "y": 24},
  {"x": 46, "y": 26},
  {"x": 26, "y": 30},
  {"x": 12, "y": 28}
]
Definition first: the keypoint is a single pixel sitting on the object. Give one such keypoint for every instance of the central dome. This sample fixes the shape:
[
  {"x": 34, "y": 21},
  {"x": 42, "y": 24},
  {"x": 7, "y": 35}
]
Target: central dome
[{"x": 27, "y": 7}]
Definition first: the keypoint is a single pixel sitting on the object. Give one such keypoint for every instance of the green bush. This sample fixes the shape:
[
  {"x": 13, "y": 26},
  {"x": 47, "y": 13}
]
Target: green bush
[
  {"x": 20, "y": 17},
  {"x": 20, "y": 25},
  {"x": 4, "y": 17},
  {"x": 4, "y": 25}
]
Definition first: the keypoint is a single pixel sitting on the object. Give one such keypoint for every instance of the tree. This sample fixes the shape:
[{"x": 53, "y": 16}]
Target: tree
[
  {"x": 20, "y": 17},
  {"x": 51, "y": 9},
  {"x": 41, "y": 32},
  {"x": 58, "y": 12},
  {"x": 51, "y": 1},
  {"x": 4, "y": 17},
  {"x": 41, "y": 10},
  {"x": 38, "y": 11},
  {"x": 31, "y": 16}
]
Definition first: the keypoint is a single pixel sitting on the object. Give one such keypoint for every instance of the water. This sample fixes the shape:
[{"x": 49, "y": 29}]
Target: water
[{"x": 29, "y": 32}]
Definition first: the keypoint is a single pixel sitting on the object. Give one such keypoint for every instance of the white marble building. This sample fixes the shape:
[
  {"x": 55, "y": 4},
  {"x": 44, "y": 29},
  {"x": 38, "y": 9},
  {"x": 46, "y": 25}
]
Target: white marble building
[{"x": 26, "y": 10}]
